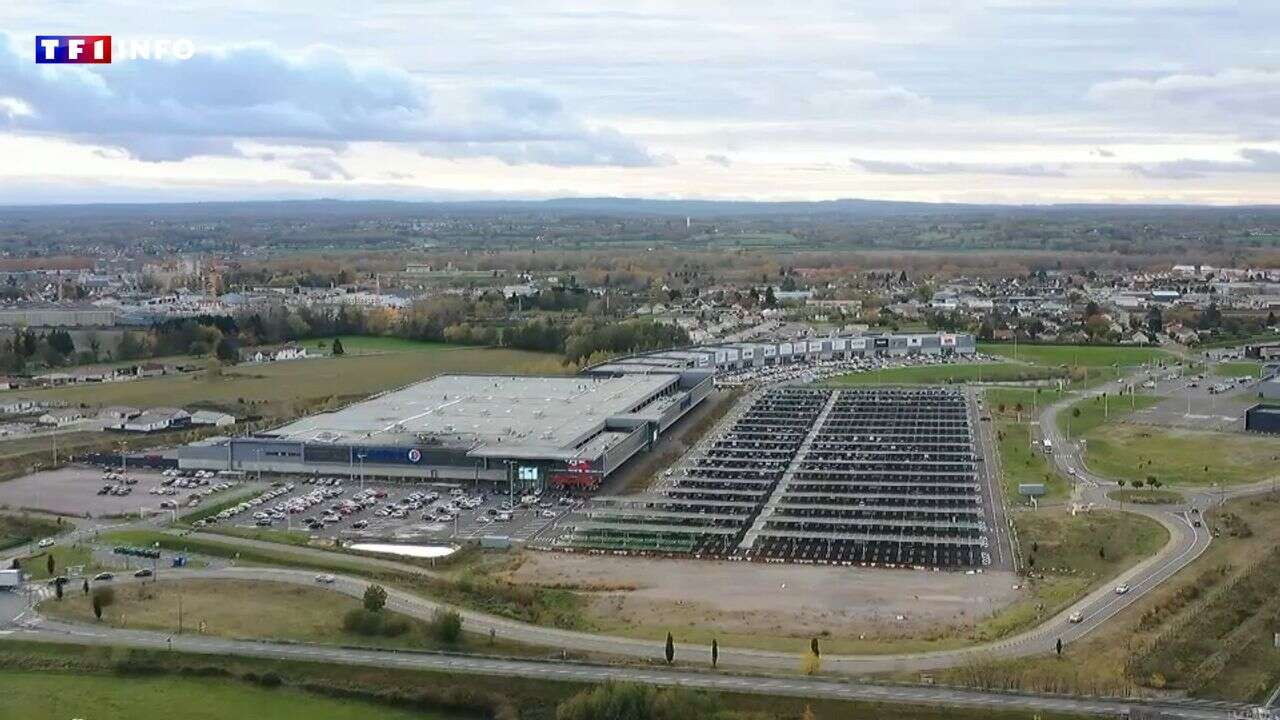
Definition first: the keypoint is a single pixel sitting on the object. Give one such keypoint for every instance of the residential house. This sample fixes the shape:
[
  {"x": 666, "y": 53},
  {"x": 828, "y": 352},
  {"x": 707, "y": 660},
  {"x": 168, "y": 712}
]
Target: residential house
[
  {"x": 157, "y": 419},
  {"x": 273, "y": 354}
]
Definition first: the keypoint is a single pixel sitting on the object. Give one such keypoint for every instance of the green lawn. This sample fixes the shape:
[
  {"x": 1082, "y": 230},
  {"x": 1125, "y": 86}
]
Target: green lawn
[
  {"x": 1238, "y": 369},
  {"x": 288, "y": 388},
  {"x": 1181, "y": 457},
  {"x": 37, "y": 566},
  {"x": 1012, "y": 411},
  {"x": 62, "y": 695},
  {"x": 1091, "y": 356},
  {"x": 1020, "y": 464},
  {"x": 372, "y": 345},
  {"x": 21, "y": 529},
  {"x": 934, "y": 374},
  {"x": 1097, "y": 411}
]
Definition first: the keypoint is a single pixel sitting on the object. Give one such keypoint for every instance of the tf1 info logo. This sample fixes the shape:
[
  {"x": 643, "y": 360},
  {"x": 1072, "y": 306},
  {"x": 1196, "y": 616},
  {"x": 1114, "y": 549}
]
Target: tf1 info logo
[{"x": 97, "y": 49}]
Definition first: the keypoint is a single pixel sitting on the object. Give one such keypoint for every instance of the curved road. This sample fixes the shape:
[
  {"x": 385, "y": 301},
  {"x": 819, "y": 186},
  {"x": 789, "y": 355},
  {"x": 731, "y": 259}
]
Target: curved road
[{"x": 1186, "y": 543}]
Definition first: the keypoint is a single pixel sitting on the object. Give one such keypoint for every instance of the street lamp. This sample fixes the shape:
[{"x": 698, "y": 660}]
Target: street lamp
[{"x": 361, "y": 456}]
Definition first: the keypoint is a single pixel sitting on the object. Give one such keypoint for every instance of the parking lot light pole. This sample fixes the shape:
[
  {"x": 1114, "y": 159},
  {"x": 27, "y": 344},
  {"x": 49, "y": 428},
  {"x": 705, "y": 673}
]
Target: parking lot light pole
[{"x": 362, "y": 456}]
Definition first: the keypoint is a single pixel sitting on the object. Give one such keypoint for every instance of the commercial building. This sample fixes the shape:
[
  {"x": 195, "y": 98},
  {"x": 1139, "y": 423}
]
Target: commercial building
[
  {"x": 727, "y": 357},
  {"x": 1263, "y": 419},
  {"x": 530, "y": 430}
]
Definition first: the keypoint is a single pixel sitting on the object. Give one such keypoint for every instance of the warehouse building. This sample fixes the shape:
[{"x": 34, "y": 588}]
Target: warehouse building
[
  {"x": 757, "y": 353},
  {"x": 532, "y": 431}
]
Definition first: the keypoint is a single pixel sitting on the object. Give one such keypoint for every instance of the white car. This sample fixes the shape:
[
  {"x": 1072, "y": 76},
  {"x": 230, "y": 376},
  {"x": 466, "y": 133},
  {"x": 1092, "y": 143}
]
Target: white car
[
  {"x": 47, "y": 542},
  {"x": 1075, "y": 617},
  {"x": 325, "y": 579},
  {"x": 1122, "y": 589}
]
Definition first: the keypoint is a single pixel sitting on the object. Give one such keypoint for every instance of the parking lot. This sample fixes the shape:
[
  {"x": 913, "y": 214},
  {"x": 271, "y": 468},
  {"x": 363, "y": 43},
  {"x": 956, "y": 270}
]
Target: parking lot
[
  {"x": 334, "y": 507},
  {"x": 98, "y": 492},
  {"x": 1198, "y": 402},
  {"x": 825, "y": 369}
]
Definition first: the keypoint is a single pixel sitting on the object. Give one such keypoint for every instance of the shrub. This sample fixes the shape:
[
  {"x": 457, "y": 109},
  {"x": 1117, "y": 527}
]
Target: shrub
[{"x": 446, "y": 626}]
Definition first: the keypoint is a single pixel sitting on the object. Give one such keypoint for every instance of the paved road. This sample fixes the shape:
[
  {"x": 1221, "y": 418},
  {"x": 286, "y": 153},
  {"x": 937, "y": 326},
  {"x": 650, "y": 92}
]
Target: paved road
[{"x": 583, "y": 672}]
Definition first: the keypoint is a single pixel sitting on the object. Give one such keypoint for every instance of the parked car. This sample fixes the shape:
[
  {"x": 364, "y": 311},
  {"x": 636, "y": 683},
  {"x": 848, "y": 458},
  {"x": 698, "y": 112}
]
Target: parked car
[
  {"x": 143, "y": 573},
  {"x": 1075, "y": 617}
]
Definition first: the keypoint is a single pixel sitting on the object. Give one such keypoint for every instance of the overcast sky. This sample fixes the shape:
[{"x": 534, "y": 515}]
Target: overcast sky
[{"x": 1005, "y": 101}]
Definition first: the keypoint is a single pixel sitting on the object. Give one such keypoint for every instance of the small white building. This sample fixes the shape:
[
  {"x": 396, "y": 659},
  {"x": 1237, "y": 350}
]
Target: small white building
[
  {"x": 18, "y": 405},
  {"x": 61, "y": 417},
  {"x": 157, "y": 419},
  {"x": 274, "y": 354},
  {"x": 212, "y": 417}
]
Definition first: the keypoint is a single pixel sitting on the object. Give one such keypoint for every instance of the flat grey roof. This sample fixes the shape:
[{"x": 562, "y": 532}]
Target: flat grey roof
[{"x": 500, "y": 415}]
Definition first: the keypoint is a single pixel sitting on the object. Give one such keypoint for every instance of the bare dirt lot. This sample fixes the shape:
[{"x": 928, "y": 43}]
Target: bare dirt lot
[{"x": 773, "y": 599}]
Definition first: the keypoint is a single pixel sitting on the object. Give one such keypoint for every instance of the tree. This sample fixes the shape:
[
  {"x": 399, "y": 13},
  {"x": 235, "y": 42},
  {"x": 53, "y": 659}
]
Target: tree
[
  {"x": 446, "y": 625},
  {"x": 715, "y": 652},
  {"x": 375, "y": 598},
  {"x": 813, "y": 647},
  {"x": 1059, "y": 647},
  {"x": 1102, "y": 553},
  {"x": 57, "y": 590},
  {"x": 671, "y": 648},
  {"x": 50, "y": 564},
  {"x": 811, "y": 664},
  {"x": 103, "y": 598},
  {"x": 228, "y": 350},
  {"x": 337, "y": 347},
  {"x": 86, "y": 586},
  {"x": 808, "y": 714}
]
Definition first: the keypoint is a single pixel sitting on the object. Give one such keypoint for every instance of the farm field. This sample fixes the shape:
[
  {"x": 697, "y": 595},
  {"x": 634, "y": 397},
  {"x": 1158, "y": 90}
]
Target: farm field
[
  {"x": 298, "y": 386},
  {"x": 60, "y": 695},
  {"x": 933, "y": 374},
  {"x": 1090, "y": 356}
]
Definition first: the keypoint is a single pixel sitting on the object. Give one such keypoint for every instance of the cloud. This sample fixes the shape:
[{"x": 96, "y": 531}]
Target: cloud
[
  {"x": 1252, "y": 160},
  {"x": 321, "y": 167},
  {"x": 721, "y": 160},
  {"x": 1103, "y": 152},
  {"x": 885, "y": 167},
  {"x": 1245, "y": 99},
  {"x": 160, "y": 111}
]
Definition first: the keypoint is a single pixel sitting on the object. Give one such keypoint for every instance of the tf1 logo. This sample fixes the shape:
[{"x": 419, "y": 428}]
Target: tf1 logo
[{"x": 96, "y": 49}]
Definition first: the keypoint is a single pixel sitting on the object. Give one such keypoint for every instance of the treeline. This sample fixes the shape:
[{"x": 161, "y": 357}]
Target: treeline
[
  {"x": 24, "y": 348},
  {"x": 451, "y": 319}
]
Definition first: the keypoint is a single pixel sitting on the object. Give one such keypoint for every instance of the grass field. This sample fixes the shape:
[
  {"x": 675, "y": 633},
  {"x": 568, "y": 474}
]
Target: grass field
[
  {"x": 58, "y": 696},
  {"x": 1104, "y": 663},
  {"x": 287, "y": 388},
  {"x": 1072, "y": 555},
  {"x": 64, "y": 556},
  {"x": 1012, "y": 411},
  {"x": 489, "y": 696},
  {"x": 1238, "y": 369},
  {"x": 1098, "y": 411},
  {"x": 264, "y": 610},
  {"x": 469, "y": 584},
  {"x": 933, "y": 374},
  {"x": 21, "y": 529},
  {"x": 1091, "y": 356},
  {"x": 1181, "y": 457},
  {"x": 372, "y": 345}
]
